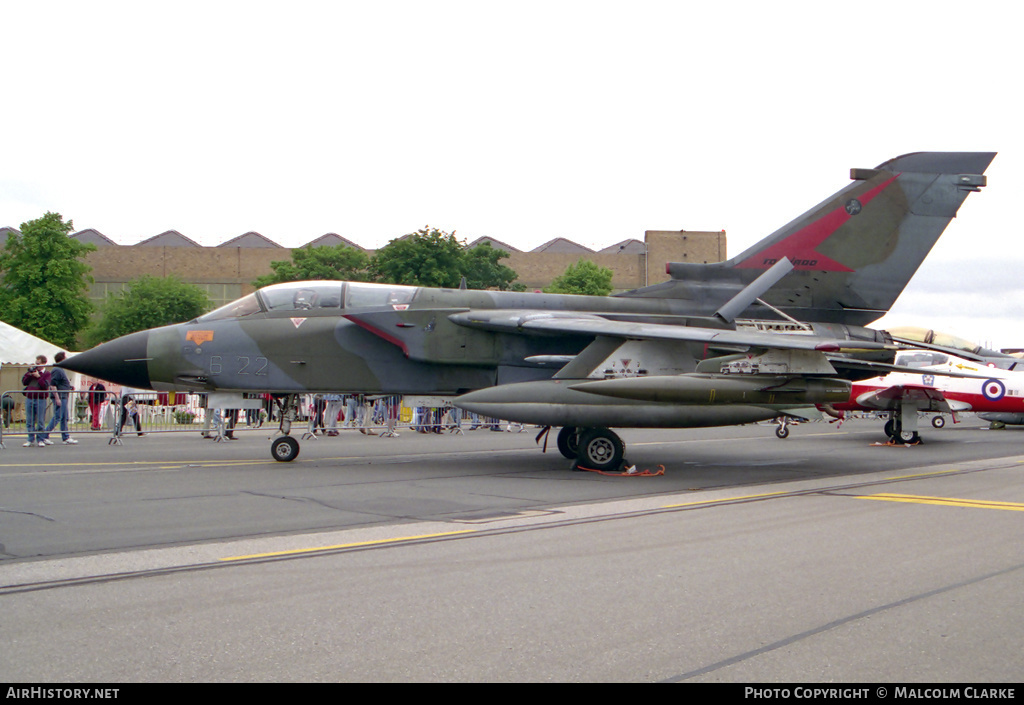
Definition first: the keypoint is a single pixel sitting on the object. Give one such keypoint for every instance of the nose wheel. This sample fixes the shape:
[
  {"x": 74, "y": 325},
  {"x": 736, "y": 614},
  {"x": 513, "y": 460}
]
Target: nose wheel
[
  {"x": 782, "y": 430},
  {"x": 284, "y": 449}
]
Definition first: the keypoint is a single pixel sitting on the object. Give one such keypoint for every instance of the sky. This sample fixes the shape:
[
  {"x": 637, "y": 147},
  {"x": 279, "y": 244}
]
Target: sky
[{"x": 523, "y": 121}]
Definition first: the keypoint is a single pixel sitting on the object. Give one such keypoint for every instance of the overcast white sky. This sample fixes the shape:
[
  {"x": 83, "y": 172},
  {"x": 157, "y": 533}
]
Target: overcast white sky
[{"x": 523, "y": 121}]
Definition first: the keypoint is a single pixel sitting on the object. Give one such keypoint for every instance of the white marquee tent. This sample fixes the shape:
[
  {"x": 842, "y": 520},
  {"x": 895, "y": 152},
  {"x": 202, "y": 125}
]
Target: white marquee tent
[{"x": 20, "y": 348}]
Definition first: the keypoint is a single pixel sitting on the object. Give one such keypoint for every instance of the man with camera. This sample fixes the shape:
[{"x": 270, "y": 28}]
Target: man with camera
[{"x": 36, "y": 389}]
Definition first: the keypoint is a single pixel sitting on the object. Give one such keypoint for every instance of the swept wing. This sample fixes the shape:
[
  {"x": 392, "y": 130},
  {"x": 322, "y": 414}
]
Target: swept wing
[{"x": 919, "y": 396}]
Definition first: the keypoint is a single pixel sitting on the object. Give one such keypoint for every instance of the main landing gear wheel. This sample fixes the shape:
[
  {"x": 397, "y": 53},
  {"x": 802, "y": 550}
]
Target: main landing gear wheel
[
  {"x": 939, "y": 421},
  {"x": 600, "y": 449},
  {"x": 890, "y": 429},
  {"x": 909, "y": 437},
  {"x": 894, "y": 430},
  {"x": 284, "y": 449},
  {"x": 569, "y": 442}
]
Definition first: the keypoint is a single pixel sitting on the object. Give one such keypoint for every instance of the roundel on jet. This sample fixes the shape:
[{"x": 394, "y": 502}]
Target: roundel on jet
[{"x": 993, "y": 389}]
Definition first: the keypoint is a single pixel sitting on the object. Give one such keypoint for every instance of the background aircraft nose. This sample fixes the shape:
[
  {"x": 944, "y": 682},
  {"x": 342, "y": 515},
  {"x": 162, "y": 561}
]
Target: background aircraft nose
[{"x": 122, "y": 361}]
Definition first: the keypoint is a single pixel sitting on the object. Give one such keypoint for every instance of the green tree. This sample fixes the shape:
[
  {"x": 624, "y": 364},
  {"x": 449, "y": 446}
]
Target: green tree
[
  {"x": 44, "y": 288},
  {"x": 432, "y": 257},
  {"x": 338, "y": 262},
  {"x": 584, "y": 277},
  {"x": 148, "y": 302},
  {"x": 428, "y": 257},
  {"x": 483, "y": 270}
]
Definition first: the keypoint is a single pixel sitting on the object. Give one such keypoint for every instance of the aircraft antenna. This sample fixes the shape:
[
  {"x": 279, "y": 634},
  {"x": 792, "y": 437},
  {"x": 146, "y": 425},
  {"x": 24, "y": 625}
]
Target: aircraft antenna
[{"x": 789, "y": 318}]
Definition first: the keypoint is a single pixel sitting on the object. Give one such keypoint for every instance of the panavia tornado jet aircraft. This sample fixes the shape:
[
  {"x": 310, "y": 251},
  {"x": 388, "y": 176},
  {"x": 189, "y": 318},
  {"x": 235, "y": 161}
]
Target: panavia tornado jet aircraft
[{"x": 703, "y": 349}]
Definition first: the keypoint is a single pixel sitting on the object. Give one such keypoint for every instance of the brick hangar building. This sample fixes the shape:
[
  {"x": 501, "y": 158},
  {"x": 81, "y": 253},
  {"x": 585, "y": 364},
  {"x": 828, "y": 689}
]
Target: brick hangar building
[{"x": 226, "y": 271}]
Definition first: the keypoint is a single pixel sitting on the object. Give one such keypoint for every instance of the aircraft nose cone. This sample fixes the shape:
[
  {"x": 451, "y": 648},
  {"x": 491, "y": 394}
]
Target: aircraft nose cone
[{"x": 122, "y": 361}]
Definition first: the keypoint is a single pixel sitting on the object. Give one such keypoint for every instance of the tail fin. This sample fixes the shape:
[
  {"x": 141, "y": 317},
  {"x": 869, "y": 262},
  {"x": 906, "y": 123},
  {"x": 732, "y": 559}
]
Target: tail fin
[{"x": 854, "y": 253}]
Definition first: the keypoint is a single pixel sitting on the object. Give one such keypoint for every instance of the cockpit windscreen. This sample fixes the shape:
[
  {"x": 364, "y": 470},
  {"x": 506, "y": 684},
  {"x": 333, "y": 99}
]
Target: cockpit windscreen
[
  {"x": 245, "y": 306},
  {"x": 302, "y": 296},
  {"x": 312, "y": 297}
]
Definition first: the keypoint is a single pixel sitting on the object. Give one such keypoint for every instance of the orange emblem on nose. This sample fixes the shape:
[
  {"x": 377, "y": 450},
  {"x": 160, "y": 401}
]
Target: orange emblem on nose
[{"x": 199, "y": 336}]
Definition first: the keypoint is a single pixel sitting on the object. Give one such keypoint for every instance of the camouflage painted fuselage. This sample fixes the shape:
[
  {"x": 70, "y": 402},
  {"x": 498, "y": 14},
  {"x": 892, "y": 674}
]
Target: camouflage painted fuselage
[
  {"x": 849, "y": 258},
  {"x": 411, "y": 348}
]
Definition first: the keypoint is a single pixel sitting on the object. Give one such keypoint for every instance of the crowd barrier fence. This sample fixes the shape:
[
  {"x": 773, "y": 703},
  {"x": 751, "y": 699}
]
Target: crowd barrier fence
[{"x": 141, "y": 413}]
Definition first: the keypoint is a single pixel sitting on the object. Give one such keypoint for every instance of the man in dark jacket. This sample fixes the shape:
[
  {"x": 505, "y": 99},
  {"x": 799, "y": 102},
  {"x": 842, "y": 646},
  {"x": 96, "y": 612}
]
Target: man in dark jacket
[{"x": 62, "y": 401}]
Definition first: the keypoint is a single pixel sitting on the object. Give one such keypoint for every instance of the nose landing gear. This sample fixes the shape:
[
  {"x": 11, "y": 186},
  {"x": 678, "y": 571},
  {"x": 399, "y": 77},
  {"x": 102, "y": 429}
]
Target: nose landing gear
[{"x": 284, "y": 448}]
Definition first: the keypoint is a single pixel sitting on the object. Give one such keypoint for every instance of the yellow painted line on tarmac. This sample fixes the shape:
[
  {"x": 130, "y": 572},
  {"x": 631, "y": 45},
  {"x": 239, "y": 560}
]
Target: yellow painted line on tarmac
[
  {"x": 723, "y": 440},
  {"x": 137, "y": 463},
  {"x": 725, "y": 499},
  {"x": 210, "y": 463},
  {"x": 681, "y": 442},
  {"x": 946, "y": 501},
  {"x": 922, "y": 474},
  {"x": 360, "y": 544},
  {"x": 79, "y": 465}
]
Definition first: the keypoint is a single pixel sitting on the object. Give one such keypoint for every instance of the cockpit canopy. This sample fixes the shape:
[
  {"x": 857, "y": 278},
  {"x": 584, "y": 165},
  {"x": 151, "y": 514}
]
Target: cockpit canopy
[
  {"x": 921, "y": 358},
  {"x": 301, "y": 296},
  {"x": 313, "y": 297},
  {"x": 931, "y": 337}
]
